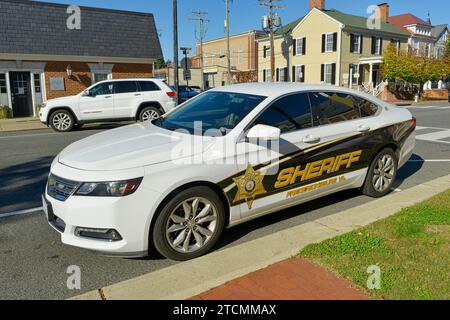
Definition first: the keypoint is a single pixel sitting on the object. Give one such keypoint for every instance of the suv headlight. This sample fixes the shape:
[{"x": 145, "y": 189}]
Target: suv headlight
[{"x": 109, "y": 189}]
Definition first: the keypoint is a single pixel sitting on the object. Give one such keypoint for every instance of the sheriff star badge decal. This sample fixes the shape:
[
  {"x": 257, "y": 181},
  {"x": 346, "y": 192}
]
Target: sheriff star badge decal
[{"x": 249, "y": 186}]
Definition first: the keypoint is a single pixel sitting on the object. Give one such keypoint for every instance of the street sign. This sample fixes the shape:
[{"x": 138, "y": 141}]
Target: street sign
[{"x": 187, "y": 75}]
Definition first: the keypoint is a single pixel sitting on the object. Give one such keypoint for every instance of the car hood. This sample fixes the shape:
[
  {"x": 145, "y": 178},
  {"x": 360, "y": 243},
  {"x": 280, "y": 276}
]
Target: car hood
[
  {"x": 61, "y": 101},
  {"x": 130, "y": 147}
]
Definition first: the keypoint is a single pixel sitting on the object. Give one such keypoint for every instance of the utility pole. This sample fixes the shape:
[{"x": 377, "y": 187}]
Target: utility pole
[
  {"x": 227, "y": 26},
  {"x": 201, "y": 36},
  {"x": 271, "y": 28},
  {"x": 175, "y": 46}
]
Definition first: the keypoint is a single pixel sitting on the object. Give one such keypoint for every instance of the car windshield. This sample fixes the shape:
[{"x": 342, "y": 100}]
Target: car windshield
[{"x": 211, "y": 112}]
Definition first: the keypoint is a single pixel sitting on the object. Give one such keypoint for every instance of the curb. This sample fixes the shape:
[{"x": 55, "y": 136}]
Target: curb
[{"x": 191, "y": 278}]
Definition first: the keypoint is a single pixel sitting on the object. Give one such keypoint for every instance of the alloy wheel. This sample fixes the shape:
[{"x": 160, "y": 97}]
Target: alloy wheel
[
  {"x": 61, "y": 121},
  {"x": 384, "y": 172},
  {"x": 149, "y": 115},
  {"x": 191, "y": 225}
]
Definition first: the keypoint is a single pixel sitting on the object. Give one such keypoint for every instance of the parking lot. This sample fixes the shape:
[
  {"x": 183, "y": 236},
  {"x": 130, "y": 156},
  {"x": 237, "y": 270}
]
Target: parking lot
[{"x": 33, "y": 262}]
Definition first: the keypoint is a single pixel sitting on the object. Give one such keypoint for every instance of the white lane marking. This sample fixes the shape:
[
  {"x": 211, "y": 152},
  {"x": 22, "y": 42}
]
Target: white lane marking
[
  {"x": 434, "y": 160},
  {"x": 437, "y": 137},
  {"x": 429, "y": 107},
  {"x": 29, "y": 135},
  {"x": 20, "y": 213}
]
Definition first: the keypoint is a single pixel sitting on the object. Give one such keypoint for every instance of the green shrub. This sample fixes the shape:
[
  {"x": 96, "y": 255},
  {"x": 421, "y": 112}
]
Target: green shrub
[
  {"x": 37, "y": 109},
  {"x": 5, "y": 112}
]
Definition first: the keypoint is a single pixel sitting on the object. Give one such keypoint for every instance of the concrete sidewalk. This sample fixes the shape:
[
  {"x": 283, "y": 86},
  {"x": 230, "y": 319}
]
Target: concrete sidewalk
[
  {"x": 20, "y": 124},
  {"x": 189, "y": 279}
]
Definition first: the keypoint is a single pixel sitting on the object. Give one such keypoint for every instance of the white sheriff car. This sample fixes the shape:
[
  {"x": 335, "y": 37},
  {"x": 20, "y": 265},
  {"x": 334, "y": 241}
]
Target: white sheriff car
[{"x": 137, "y": 188}]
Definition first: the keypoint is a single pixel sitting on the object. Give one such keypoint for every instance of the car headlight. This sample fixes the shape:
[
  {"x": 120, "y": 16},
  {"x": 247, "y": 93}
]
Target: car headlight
[{"x": 109, "y": 189}]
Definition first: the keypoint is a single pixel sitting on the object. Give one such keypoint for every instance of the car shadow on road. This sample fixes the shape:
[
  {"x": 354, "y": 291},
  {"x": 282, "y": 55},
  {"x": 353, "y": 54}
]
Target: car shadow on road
[
  {"x": 22, "y": 185},
  {"x": 414, "y": 165},
  {"x": 104, "y": 126}
]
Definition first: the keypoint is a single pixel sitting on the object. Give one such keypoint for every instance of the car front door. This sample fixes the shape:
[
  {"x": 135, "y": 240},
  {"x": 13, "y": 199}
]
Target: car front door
[
  {"x": 99, "y": 103},
  {"x": 126, "y": 97}
]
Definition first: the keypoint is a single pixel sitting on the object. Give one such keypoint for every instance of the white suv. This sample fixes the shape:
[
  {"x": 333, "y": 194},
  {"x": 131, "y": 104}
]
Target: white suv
[{"x": 111, "y": 100}]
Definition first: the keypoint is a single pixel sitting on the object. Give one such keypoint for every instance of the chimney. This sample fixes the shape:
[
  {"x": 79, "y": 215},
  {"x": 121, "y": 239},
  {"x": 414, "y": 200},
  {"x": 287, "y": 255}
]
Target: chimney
[
  {"x": 384, "y": 11},
  {"x": 319, "y": 4}
]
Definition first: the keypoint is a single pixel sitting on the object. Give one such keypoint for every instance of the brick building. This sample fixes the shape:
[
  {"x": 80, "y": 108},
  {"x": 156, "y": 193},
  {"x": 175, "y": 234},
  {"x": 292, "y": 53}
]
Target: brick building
[{"x": 45, "y": 54}]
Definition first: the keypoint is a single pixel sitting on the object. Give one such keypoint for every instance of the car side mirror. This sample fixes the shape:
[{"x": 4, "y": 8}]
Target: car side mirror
[
  {"x": 86, "y": 93},
  {"x": 263, "y": 132}
]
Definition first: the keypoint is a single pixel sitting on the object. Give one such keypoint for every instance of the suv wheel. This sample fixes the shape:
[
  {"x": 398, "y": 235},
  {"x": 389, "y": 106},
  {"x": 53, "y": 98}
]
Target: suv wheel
[
  {"x": 381, "y": 175},
  {"x": 149, "y": 113},
  {"x": 62, "y": 121},
  {"x": 190, "y": 224}
]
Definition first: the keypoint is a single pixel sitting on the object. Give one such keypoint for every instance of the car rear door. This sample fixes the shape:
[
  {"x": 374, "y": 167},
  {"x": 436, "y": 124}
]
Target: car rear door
[
  {"x": 126, "y": 98},
  {"x": 99, "y": 104}
]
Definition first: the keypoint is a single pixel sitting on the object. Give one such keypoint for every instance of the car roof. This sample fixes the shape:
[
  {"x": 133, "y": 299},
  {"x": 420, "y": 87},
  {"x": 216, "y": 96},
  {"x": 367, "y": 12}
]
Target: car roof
[
  {"x": 131, "y": 79},
  {"x": 281, "y": 88}
]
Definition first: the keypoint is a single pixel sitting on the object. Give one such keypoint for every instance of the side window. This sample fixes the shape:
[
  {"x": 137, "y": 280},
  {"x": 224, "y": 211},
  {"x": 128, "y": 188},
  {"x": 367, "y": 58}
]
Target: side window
[
  {"x": 102, "y": 89},
  {"x": 366, "y": 107},
  {"x": 289, "y": 113},
  {"x": 2, "y": 83},
  {"x": 125, "y": 87},
  {"x": 333, "y": 107},
  {"x": 148, "y": 86}
]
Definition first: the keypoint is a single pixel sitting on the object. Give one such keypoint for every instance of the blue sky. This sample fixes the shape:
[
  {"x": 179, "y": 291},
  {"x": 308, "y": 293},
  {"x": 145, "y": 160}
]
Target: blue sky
[{"x": 246, "y": 15}]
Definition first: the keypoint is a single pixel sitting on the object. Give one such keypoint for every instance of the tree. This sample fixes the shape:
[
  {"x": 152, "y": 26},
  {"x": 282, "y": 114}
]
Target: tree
[
  {"x": 408, "y": 67},
  {"x": 159, "y": 64}
]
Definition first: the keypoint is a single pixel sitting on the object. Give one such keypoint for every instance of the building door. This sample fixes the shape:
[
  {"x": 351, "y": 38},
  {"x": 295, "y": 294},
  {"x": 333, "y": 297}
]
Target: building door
[{"x": 21, "y": 94}]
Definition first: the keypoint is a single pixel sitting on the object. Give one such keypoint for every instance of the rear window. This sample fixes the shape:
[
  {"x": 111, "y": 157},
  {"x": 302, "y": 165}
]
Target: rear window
[{"x": 148, "y": 86}]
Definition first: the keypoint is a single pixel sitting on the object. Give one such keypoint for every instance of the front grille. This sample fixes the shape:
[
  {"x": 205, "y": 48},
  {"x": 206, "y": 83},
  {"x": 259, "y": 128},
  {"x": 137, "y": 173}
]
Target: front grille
[{"x": 61, "y": 189}]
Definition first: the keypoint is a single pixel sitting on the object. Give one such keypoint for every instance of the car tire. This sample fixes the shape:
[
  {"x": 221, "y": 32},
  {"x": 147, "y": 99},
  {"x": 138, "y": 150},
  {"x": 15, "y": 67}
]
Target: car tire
[
  {"x": 62, "y": 121},
  {"x": 149, "y": 113},
  {"x": 185, "y": 228},
  {"x": 382, "y": 174}
]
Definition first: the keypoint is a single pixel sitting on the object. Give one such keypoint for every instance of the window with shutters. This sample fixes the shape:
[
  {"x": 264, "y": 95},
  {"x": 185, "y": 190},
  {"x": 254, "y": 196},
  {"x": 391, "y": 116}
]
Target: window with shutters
[
  {"x": 353, "y": 71},
  {"x": 376, "y": 45},
  {"x": 222, "y": 56},
  {"x": 329, "y": 73},
  {"x": 37, "y": 82},
  {"x": 266, "y": 51},
  {"x": 299, "y": 73},
  {"x": 267, "y": 75},
  {"x": 329, "y": 42},
  {"x": 299, "y": 47},
  {"x": 355, "y": 43},
  {"x": 281, "y": 74}
]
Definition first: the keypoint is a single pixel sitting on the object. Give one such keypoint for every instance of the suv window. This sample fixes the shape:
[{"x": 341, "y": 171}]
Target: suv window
[
  {"x": 125, "y": 87},
  {"x": 148, "y": 86},
  {"x": 102, "y": 89},
  {"x": 333, "y": 107},
  {"x": 289, "y": 113}
]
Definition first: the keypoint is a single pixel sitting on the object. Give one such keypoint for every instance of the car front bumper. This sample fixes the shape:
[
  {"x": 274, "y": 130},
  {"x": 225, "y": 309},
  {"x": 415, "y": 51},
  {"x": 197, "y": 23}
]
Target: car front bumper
[{"x": 129, "y": 216}]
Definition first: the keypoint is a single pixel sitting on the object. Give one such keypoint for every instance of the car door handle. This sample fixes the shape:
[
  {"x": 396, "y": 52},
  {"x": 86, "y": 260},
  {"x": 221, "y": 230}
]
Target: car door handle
[
  {"x": 363, "y": 128},
  {"x": 108, "y": 97},
  {"x": 311, "y": 139},
  {"x": 137, "y": 94}
]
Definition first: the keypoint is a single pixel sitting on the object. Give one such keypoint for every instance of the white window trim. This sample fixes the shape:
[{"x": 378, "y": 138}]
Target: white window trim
[
  {"x": 378, "y": 45},
  {"x": 359, "y": 37},
  {"x": 268, "y": 75},
  {"x": 297, "y": 41},
  {"x": 280, "y": 71},
  {"x": 297, "y": 67},
  {"x": 267, "y": 52},
  {"x": 100, "y": 72},
  {"x": 330, "y": 64},
  {"x": 326, "y": 42}
]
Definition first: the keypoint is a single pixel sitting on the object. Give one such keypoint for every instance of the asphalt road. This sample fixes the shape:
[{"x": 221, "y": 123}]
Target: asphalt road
[{"x": 33, "y": 262}]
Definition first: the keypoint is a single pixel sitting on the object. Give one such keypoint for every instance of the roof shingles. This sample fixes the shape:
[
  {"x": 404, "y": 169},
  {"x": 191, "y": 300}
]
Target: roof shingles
[{"x": 31, "y": 27}]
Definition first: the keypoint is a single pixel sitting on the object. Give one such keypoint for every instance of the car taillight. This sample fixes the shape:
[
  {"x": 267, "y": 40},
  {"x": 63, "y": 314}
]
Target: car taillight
[
  {"x": 171, "y": 94},
  {"x": 414, "y": 121}
]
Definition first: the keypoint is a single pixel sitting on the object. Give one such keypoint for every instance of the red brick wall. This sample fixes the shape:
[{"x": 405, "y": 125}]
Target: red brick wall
[
  {"x": 82, "y": 75},
  {"x": 124, "y": 70},
  {"x": 81, "y": 78},
  {"x": 436, "y": 94}
]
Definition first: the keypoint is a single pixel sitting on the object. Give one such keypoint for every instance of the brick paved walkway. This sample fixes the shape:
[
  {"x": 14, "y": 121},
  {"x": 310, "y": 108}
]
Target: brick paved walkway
[{"x": 293, "y": 279}]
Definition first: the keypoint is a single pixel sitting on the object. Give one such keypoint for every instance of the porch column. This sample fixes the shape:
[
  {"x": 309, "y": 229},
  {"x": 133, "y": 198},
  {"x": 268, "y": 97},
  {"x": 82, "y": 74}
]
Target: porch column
[
  {"x": 8, "y": 91},
  {"x": 371, "y": 74}
]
